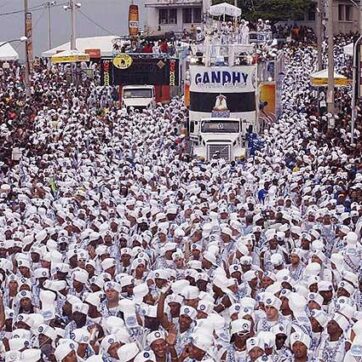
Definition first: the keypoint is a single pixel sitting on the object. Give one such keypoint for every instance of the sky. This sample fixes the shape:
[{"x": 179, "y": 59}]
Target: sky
[{"x": 110, "y": 15}]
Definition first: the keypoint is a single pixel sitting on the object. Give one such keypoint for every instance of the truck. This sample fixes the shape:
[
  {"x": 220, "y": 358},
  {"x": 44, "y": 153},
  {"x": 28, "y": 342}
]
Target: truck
[
  {"x": 223, "y": 109},
  {"x": 138, "y": 97},
  {"x": 215, "y": 138}
]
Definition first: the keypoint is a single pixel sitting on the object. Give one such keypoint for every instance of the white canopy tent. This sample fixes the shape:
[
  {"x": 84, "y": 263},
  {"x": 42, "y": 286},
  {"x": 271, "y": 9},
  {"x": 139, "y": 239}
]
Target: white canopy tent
[
  {"x": 70, "y": 56},
  {"x": 103, "y": 43},
  {"x": 225, "y": 9},
  {"x": 7, "y": 52},
  {"x": 320, "y": 79}
]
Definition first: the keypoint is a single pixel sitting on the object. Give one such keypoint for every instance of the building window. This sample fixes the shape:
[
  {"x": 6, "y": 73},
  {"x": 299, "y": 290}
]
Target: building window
[
  {"x": 187, "y": 16},
  {"x": 340, "y": 12},
  {"x": 163, "y": 16},
  {"x": 197, "y": 15},
  {"x": 167, "y": 16},
  {"x": 345, "y": 12},
  {"x": 311, "y": 12},
  {"x": 173, "y": 16}
]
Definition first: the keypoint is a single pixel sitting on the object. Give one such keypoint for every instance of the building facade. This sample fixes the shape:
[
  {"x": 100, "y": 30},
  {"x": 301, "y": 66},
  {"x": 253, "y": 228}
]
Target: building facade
[
  {"x": 163, "y": 16},
  {"x": 346, "y": 16}
]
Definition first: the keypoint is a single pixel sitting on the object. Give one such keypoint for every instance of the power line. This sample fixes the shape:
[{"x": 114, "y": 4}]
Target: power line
[
  {"x": 4, "y": 4},
  {"x": 17, "y": 46},
  {"x": 95, "y": 23},
  {"x": 35, "y": 8}
]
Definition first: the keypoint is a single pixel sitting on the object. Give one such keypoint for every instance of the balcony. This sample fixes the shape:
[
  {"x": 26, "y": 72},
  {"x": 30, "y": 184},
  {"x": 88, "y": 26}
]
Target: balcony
[{"x": 180, "y": 3}]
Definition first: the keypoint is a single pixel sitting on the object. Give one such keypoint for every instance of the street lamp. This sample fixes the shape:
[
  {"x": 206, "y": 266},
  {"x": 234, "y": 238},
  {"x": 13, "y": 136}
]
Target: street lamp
[
  {"x": 22, "y": 39},
  {"x": 72, "y": 6},
  {"x": 49, "y": 5}
]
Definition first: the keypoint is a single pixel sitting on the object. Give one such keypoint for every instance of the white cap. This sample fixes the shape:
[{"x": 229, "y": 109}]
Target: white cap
[
  {"x": 80, "y": 335},
  {"x": 342, "y": 321},
  {"x": 108, "y": 341},
  {"x": 315, "y": 297},
  {"x": 240, "y": 325},
  {"x": 190, "y": 292},
  {"x": 31, "y": 355},
  {"x": 300, "y": 337},
  {"x": 81, "y": 276},
  {"x": 112, "y": 285},
  {"x": 12, "y": 356},
  {"x": 202, "y": 341},
  {"x": 154, "y": 336},
  {"x": 145, "y": 356},
  {"x": 272, "y": 301},
  {"x": 320, "y": 316},
  {"x": 325, "y": 286},
  {"x": 108, "y": 263},
  {"x": 47, "y": 331},
  {"x": 254, "y": 342},
  {"x": 188, "y": 311},
  {"x": 80, "y": 307},
  {"x": 65, "y": 347},
  {"x": 128, "y": 352}
]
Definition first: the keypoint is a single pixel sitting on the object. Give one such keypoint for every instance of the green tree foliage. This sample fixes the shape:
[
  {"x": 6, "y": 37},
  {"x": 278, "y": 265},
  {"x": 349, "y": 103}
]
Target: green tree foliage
[{"x": 273, "y": 10}]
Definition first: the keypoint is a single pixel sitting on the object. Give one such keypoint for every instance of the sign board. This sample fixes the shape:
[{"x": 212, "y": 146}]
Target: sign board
[
  {"x": 93, "y": 53},
  {"x": 222, "y": 79},
  {"x": 267, "y": 102},
  {"x": 148, "y": 71},
  {"x": 133, "y": 20},
  {"x": 220, "y": 114},
  {"x": 236, "y": 85},
  {"x": 122, "y": 61}
]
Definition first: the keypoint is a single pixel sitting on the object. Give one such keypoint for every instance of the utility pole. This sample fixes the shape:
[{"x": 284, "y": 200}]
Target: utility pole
[
  {"x": 29, "y": 39},
  {"x": 319, "y": 29},
  {"x": 330, "y": 92},
  {"x": 72, "y": 6},
  {"x": 49, "y": 26},
  {"x": 73, "y": 45},
  {"x": 360, "y": 17},
  {"x": 49, "y": 4},
  {"x": 356, "y": 74}
]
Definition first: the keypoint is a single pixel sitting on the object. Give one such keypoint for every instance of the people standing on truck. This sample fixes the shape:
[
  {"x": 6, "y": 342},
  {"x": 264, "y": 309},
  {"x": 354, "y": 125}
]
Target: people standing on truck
[
  {"x": 164, "y": 46},
  {"x": 147, "y": 48}
]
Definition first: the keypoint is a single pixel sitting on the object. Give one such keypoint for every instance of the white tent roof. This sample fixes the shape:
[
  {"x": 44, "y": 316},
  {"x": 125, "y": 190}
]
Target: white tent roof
[
  {"x": 104, "y": 43},
  {"x": 7, "y": 52},
  {"x": 324, "y": 74},
  {"x": 348, "y": 49},
  {"x": 224, "y": 9}
]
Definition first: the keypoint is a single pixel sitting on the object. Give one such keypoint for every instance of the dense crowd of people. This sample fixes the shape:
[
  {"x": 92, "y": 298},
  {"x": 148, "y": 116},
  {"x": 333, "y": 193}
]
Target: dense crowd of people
[{"x": 114, "y": 248}]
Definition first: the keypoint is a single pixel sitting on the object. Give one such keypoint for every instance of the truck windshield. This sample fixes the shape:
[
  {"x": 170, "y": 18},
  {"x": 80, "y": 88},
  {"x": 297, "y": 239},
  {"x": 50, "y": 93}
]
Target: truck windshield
[
  {"x": 137, "y": 93},
  {"x": 219, "y": 127}
]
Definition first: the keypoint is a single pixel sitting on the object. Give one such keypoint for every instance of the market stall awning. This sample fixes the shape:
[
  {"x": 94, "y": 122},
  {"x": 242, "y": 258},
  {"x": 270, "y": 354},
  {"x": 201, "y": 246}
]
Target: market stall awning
[
  {"x": 7, "y": 53},
  {"x": 224, "y": 9},
  {"x": 70, "y": 56},
  {"x": 103, "y": 43},
  {"x": 320, "y": 79}
]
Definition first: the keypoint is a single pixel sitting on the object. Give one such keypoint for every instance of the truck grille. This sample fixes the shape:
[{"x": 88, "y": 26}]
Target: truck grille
[{"x": 223, "y": 151}]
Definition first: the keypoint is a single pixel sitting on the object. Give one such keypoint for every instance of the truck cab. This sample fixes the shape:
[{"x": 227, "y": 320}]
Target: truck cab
[
  {"x": 217, "y": 138},
  {"x": 138, "y": 96}
]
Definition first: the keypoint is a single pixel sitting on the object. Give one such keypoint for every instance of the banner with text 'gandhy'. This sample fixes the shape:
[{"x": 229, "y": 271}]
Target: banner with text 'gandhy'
[{"x": 237, "y": 84}]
